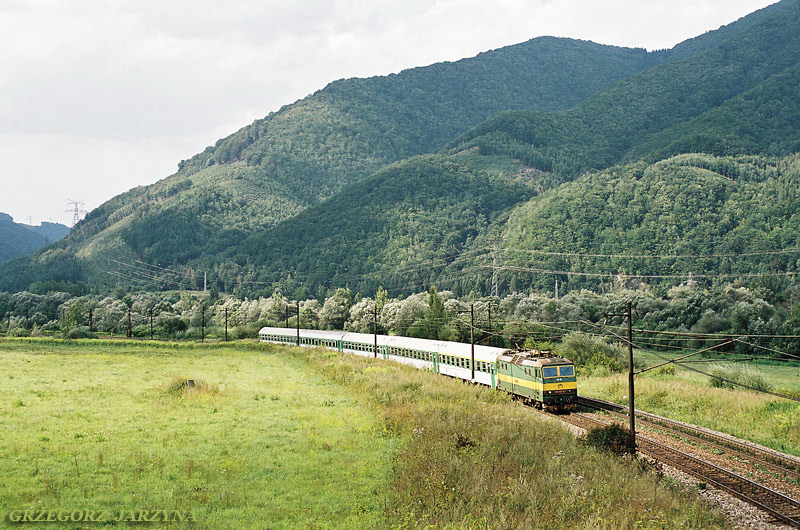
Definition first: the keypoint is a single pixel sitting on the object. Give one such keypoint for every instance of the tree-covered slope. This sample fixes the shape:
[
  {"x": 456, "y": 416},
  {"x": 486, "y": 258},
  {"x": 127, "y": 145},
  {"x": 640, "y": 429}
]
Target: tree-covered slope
[
  {"x": 633, "y": 219},
  {"x": 592, "y": 107},
  {"x": 19, "y": 239},
  {"x": 738, "y": 97},
  {"x": 305, "y": 152},
  {"x": 386, "y": 229}
]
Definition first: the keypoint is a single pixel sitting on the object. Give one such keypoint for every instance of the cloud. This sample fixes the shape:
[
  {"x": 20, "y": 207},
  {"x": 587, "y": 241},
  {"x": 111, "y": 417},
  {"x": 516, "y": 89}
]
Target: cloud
[{"x": 109, "y": 95}]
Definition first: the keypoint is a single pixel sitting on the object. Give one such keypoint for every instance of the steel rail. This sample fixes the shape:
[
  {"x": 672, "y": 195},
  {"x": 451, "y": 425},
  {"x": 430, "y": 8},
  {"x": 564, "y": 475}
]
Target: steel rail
[
  {"x": 779, "y": 462},
  {"x": 779, "y": 506}
]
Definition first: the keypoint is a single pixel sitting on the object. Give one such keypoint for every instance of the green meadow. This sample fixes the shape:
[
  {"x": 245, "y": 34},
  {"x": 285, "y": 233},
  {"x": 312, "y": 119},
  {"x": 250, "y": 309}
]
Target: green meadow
[
  {"x": 276, "y": 437},
  {"x": 686, "y": 395},
  {"x": 265, "y": 443}
]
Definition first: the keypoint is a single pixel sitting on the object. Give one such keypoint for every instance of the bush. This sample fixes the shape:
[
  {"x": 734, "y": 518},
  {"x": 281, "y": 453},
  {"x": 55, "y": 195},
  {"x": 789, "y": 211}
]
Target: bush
[
  {"x": 724, "y": 375},
  {"x": 179, "y": 386},
  {"x": 78, "y": 332},
  {"x": 613, "y": 439},
  {"x": 173, "y": 326},
  {"x": 589, "y": 352},
  {"x": 248, "y": 331},
  {"x": 666, "y": 371}
]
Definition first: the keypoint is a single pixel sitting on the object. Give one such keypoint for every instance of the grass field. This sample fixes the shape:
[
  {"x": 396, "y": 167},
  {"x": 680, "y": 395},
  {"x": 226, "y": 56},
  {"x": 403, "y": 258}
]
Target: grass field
[
  {"x": 687, "y": 396},
  {"x": 275, "y": 437},
  {"x": 268, "y": 444}
]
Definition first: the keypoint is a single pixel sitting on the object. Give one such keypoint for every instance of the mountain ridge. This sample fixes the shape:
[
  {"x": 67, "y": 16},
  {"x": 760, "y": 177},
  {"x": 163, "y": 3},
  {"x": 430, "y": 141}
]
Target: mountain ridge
[
  {"x": 17, "y": 239},
  {"x": 252, "y": 183}
]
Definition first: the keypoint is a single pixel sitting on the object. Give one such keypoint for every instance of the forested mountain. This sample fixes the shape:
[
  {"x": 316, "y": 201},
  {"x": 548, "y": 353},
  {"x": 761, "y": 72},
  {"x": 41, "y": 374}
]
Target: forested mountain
[
  {"x": 433, "y": 220},
  {"x": 18, "y": 239},
  {"x": 740, "y": 213},
  {"x": 738, "y": 97},
  {"x": 387, "y": 229},
  {"x": 331, "y": 189}
]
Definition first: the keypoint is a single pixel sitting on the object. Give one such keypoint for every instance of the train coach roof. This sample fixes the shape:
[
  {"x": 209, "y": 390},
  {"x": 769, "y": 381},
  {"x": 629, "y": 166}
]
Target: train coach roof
[{"x": 456, "y": 349}]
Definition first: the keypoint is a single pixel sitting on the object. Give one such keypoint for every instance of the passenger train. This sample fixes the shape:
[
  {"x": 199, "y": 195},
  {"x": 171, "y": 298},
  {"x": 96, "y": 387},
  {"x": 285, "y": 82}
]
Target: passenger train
[{"x": 541, "y": 378}]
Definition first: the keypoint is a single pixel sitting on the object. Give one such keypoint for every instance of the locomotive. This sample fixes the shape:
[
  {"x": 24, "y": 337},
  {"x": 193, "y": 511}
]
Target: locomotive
[{"x": 540, "y": 378}]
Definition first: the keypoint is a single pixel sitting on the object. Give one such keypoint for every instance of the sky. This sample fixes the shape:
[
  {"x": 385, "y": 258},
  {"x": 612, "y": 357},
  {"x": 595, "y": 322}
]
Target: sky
[{"x": 100, "y": 96}]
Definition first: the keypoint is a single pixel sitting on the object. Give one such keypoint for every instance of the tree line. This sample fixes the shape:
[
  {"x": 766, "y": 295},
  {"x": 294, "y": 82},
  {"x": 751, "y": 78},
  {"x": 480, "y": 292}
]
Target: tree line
[{"x": 764, "y": 316}]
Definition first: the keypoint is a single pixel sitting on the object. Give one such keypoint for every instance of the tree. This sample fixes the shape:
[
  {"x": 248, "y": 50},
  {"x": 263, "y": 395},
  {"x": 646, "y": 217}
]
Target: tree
[
  {"x": 436, "y": 316},
  {"x": 336, "y": 309}
]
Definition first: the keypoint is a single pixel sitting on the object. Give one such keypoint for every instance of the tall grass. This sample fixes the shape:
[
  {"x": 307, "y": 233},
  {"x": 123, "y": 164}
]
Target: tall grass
[
  {"x": 471, "y": 458},
  {"x": 762, "y": 418},
  {"x": 726, "y": 375}
]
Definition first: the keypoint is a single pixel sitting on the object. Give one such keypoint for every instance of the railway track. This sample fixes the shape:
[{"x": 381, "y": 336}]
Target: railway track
[
  {"x": 779, "y": 464},
  {"x": 781, "y": 508}
]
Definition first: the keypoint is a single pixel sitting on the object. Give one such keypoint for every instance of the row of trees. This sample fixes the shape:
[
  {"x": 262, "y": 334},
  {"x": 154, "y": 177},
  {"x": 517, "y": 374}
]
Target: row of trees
[{"x": 761, "y": 317}]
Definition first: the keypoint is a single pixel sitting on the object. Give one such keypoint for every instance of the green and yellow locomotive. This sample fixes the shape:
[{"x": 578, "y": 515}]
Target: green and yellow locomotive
[{"x": 539, "y": 377}]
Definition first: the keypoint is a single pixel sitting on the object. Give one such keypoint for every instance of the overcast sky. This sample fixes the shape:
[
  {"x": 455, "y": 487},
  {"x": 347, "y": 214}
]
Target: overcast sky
[{"x": 100, "y": 96}]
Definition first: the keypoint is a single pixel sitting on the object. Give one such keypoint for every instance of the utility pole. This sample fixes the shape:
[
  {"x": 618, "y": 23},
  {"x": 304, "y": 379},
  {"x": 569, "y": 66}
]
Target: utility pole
[
  {"x": 630, "y": 372},
  {"x": 472, "y": 338},
  {"x": 202, "y": 322},
  {"x": 298, "y": 322},
  {"x": 495, "y": 271},
  {"x": 556, "y": 288},
  {"x": 129, "y": 332},
  {"x": 375, "y": 327},
  {"x": 489, "y": 324},
  {"x": 226, "y": 324},
  {"x": 151, "y": 323},
  {"x": 205, "y": 281},
  {"x": 91, "y": 315},
  {"x": 631, "y": 408}
]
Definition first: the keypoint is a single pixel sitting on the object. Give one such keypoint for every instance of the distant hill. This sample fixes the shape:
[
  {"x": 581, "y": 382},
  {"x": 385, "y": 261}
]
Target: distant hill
[
  {"x": 20, "y": 239},
  {"x": 738, "y": 97},
  {"x": 325, "y": 190},
  {"x": 399, "y": 222}
]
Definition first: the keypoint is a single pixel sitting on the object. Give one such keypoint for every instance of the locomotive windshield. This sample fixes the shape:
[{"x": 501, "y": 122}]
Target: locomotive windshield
[
  {"x": 550, "y": 371},
  {"x": 567, "y": 371}
]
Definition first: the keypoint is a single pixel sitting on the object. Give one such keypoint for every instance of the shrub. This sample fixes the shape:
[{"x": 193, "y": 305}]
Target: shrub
[
  {"x": 248, "y": 331},
  {"x": 589, "y": 352},
  {"x": 614, "y": 439},
  {"x": 179, "y": 386},
  {"x": 725, "y": 375},
  {"x": 668, "y": 370},
  {"x": 173, "y": 326},
  {"x": 78, "y": 332}
]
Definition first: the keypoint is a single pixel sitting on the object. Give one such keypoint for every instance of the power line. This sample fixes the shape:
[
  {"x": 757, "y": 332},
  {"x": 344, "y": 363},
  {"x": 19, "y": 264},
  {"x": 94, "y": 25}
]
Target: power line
[
  {"x": 652, "y": 256},
  {"x": 636, "y": 275}
]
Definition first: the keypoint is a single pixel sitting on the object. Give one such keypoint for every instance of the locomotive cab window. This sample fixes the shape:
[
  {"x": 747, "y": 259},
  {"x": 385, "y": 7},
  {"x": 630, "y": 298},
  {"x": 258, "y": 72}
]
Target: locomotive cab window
[
  {"x": 567, "y": 371},
  {"x": 550, "y": 371}
]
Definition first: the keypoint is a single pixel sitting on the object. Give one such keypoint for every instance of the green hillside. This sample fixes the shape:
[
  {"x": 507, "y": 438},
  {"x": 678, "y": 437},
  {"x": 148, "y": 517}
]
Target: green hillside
[
  {"x": 18, "y": 239},
  {"x": 387, "y": 229},
  {"x": 687, "y": 205},
  {"x": 283, "y": 203},
  {"x": 305, "y": 152},
  {"x": 432, "y": 220},
  {"x": 746, "y": 85}
]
